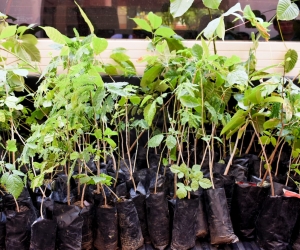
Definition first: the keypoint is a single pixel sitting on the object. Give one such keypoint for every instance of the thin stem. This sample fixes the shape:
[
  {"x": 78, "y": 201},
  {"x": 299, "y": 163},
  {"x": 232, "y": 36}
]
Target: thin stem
[
  {"x": 250, "y": 144},
  {"x": 267, "y": 162},
  {"x": 231, "y": 156},
  {"x": 278, "y": 159}
]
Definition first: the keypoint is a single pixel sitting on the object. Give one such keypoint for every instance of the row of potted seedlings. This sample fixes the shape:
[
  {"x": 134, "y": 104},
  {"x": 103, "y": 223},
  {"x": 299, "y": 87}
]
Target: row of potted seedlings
[{"x": 195, "y": 149}]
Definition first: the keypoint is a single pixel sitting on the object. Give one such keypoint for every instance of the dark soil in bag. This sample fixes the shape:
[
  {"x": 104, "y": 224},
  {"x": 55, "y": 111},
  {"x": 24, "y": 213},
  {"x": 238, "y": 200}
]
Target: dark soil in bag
[
  {"x": 183, "y": 232},
  {"x": 158, "y": 220},
  {"x": 2, "y": 230},
  {"x": 87, "y": 214},
  {"x": 18, "y": 229},
  {"x": 139, "y": 200},
  {"x": 130, "y": 230},
  {"x": 220, "y": 227},
  {"x": 43, "y": 234},
  {"x": 246, "y": 204},
  {"x": 276, "y": 222},
  {"x": 69, "y": 227},
  {"x": 107, "y": 228},
  {"x": 201, "y": 226}
]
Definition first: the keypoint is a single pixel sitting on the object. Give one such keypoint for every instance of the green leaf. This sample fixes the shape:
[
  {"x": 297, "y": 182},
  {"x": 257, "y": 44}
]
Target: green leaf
[
  {"x": 274, "y": 99},
  {"x": 212, "y": 111},
  {"x": 179, "y": 7},
  {"x": 236, "y": 121},
  {"x": 111, "y": 142},
  {"x": 74, "y": 156},
  {"x": 109, "y": 132},
  {"x": 181, "y": 191},
  {"x": 154, "y": 20},
  {"x": 272, "y": 123},
  {"x": 286, "y": 10},
  {"x": 238, "y": 76},
  {"x": 155, "y": 141},
  {"x": 2, "y": 116},
  {"x": 14, "y": 185},
  {"x": 273, "y": 141},
  {"x": 21, "y": 72},
  {"x": 149, "y": 113},
  {"x": 86, "y": 19},
  {"x": 205, "y": 183},
  {"x": 212, "y": 4},
  {"x": 211, "y": 27},
  {"x": 189, "y": 101},
  {"x": 98, "y": 134},
  {"x": 11, "y": 145},
  {"x": 265, "y": 140},
  {"x": 8, "y": 31},
  {"x": 135, "y": 100},
  {"x": 99, "y": 44},
  {"x": 164, "y": 32},
  {"x": 195, "y": 185},
  {"x": 31, "y": 50},
  {"x": 171, "y": 141},
  {"x": 54, "y": 35},
  {"x": 150, "y": 75},
  {"x": 290, "y": 60},
  {"x": 197, "y": 51},
  {"x": 196, "y": 168},
  {"x": 145, "y": 99},
  {"x": 143, "y": 24},
  {"x": 37, "y": 181},
  {"x": 11, "y": 101},
  {"x": 232, "y": 60}
]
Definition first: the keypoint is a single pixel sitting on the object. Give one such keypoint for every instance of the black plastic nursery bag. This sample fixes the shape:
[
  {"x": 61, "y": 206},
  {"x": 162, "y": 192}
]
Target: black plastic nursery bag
[
  {"x": 201, "y": 226},
  {"x": 2, "y": 230},
  {"x": 276, "y": 222},
  {"x": 139, "y": 200},
  {"x": 183, "y": 232},
  {"x": 106, "y": 228},
  {"x": 158, "y": 220},
  {"x": 87, "y": 214},
  {"x": 69, "y": 227},
  {"x": 130, "y": 229},
  {"x": 18, "y": 229},
  {"x": 43, "y": 234},
  {"x": 246, "y": 204},
  {"x": 220, "y": 227}
]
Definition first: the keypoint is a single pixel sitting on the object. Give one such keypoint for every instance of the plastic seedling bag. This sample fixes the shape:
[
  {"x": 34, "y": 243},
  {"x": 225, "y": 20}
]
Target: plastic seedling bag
[
  {"x": 69, "y": 227},
  {"x": 183, "y": 232},
  {"x": 18, "y": 229},
  {"x": 220, "y": 227},
  {"x": 246, "y": 204},
  {"x": 130, "y": 230},
  {"x": 139, "y": 200},
  {"x": 2, "y": 230},
  {"x": 106, "y": 228},
  {"x": 276, "y": 222},
  {"x": 87, "y": 214},
  {"x": 158, "y": 220},
  {"x": 43, "y": 234}
]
